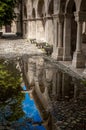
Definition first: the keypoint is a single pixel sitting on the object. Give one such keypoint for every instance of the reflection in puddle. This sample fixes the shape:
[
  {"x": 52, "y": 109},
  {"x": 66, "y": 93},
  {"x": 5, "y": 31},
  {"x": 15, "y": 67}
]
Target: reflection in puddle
[
  {"x": 17, "y": 110},
  {"x": 31, "y": 113}
]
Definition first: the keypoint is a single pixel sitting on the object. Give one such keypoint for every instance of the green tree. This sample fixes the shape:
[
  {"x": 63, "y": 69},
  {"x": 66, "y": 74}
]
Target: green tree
[
  {"x": 7, "y": 13},
  {"x": 10, "y": 80}
]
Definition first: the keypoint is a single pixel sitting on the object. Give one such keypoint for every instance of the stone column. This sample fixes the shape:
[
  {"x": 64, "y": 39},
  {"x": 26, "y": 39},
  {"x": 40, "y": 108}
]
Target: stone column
[
  {"x": 46, "y": 29},
  {"x": 76, "y": 91},
  {"x": 67, "y": 38},
  {"x": 65, "y": 85},
  {"x": 28, "y": 36},
  {"x": 60, "y": 37},
  {"x": 54, "y": 88},
  {"x": 59, "y": 85},
  {"x": 54, "y": 54},
  {"x": 78, "y": 57}
]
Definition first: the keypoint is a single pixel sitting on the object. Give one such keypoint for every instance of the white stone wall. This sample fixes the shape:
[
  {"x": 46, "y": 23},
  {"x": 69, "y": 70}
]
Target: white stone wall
[
  {"x": 40, "y": 32},
  {"x": 50, "y": 32}
]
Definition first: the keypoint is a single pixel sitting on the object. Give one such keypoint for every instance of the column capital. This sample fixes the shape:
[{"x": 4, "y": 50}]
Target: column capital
[
  {"x": 55, "y": 16},
  {"x": 39, "y": 18},
  {"x": 67, "y": 15},
  {"x": 48, "y": 17},
  {"x": 80, "y": 16},
  {"x": 59, "y": 17}
]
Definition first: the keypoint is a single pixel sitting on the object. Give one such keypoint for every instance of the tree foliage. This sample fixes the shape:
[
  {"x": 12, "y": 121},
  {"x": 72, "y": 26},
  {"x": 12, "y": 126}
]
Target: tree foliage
[
  {"x": 10, "y": 80},
  {"x": 7, "y": 11}
]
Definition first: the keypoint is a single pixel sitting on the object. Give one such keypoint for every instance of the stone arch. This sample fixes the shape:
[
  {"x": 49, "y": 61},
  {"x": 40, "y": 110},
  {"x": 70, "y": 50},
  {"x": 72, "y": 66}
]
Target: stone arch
[
  {"x": 51, "y": 7},
  {"x": 41, "y": 8},
  {"x": 25, "y": 11},
  {"x": 33, "y": 13},
  {"x": 70, "y": 9},
  {"x": 69, "y": 6},
  {"x": 62, "y": 5},
  {"x": 83, "y": 5}
]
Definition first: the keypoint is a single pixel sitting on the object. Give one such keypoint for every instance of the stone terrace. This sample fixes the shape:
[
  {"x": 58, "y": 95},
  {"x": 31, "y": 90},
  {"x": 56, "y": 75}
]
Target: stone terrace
[{"x": 13, "y": 47}]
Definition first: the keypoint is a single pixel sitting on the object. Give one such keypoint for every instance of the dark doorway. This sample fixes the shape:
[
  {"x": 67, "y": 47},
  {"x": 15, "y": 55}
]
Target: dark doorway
[{"x": 8, "y": 28}]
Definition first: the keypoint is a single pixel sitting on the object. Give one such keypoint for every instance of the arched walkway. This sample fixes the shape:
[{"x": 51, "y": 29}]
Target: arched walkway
[
  {"x": 78, "y": 57},
  {"x": 70, "y": 30},
  {"x": 71, "y": 8}
]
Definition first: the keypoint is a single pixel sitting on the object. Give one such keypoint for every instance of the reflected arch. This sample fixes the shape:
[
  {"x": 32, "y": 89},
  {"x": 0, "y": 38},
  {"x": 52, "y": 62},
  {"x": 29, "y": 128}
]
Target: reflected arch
[{"x": 41, "y": 8}]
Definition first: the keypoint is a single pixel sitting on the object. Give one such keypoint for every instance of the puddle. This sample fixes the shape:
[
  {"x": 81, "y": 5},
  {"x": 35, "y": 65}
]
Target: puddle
[{"x": 17, "y": 110}]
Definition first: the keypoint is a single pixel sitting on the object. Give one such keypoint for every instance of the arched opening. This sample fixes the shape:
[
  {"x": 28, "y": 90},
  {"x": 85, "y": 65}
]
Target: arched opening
[
  {"x": 41, "y": 8},
  {"x": 51, "y": 7},
  {"x": 71, "y": 8},
  {"x": 25, "y": 11},
  {"x": 62, "y": 5},
  {"x": 33, "y": 13},
  {"x": 83, "y": 5}
]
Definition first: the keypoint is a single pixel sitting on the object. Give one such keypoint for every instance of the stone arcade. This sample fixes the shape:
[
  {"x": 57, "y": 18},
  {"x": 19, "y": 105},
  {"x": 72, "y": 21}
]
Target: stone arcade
[{"x": 61, "y": 24}]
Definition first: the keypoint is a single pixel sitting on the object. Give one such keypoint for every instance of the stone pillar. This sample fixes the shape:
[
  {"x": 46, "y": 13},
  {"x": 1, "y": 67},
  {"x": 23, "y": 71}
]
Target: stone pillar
[
  {"x": 65, "y": 85},
  {"x": 54, "y": 54},
  {"x": 76, "y": 91},
  {"x": 84, "y": 28},
  {"x": 67, "y": 38},
  {"x": 60, "y": 37},
  {"x": 28, "y": 36},
  {"x": 46, "y": 29},
  {"x": 78, "y": 57},
  {"x": 55, "y": 77},
  {"x": 59, "y": 85}
]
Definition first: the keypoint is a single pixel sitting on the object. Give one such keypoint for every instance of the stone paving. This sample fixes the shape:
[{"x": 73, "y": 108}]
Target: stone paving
[
  {"x": 70, "y": 115},
  {"x": 17, "y": 47}
]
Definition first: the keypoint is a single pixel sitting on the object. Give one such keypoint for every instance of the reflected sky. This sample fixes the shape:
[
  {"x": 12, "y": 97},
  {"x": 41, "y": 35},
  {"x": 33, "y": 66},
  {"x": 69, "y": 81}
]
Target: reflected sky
[{"x": 31, "y": 112}]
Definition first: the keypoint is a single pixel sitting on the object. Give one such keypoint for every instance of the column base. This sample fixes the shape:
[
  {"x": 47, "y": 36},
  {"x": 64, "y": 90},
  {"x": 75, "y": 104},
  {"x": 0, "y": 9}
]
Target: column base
[
  {"x": 78, "y": 60},
  {"x": 58, "y": 54},
  {"x": 54, "y": 55}
]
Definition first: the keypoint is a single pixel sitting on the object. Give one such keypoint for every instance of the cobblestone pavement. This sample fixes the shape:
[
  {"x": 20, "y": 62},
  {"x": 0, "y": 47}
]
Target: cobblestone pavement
[{"x": 17, "y": 47}]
